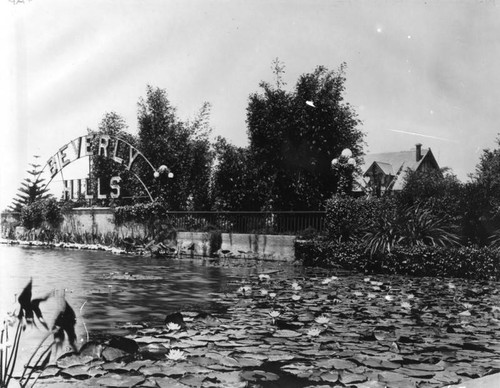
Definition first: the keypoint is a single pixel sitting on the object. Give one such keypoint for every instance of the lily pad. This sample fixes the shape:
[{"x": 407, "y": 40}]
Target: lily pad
[
  {"x": 117, "y": 380},
  {"x": 286, "y": 334},
  {"x": 259, "y": 375},
  {"x": 70, "y": 360}
]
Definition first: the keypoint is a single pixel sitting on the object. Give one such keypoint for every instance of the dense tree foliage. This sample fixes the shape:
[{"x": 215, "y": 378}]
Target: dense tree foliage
[
  {"x": 481, "y": 199},
  {"x": 104, "y": 168},
  {"x": 32, "y": 188},
  {"x": 41, "y": 212},
  {"x": 439, "y": 190},
  {"x": 294, "y": 135},
  {"x": 233, "y": 178},
  {"x": 184, "y": 147}
]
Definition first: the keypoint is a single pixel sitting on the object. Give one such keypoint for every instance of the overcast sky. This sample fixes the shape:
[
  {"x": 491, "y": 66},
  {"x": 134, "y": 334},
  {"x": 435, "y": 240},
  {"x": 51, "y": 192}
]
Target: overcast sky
[{"x": 417, "y": 71}]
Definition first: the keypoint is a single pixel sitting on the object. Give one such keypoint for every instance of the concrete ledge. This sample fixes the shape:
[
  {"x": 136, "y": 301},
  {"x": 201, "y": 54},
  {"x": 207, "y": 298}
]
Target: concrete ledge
[{"x": 270, "y": 247}]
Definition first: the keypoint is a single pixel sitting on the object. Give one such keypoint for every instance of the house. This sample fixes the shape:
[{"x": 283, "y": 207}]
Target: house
[{"x": 387, "y": 171}]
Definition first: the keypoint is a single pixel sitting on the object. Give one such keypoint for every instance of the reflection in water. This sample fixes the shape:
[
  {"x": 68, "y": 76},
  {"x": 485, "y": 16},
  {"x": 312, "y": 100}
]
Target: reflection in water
[
  {"x": 81, "y": 276},
  {"x": 101, "y": 301}
]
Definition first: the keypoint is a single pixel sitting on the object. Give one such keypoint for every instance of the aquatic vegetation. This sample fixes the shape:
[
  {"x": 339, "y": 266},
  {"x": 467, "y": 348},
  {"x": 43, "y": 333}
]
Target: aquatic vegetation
[
  {"x": 176, "y": 355},
  {"x": 322, "y": 320},
  {"x": 171, "y": 326},
  {"x": 274, "y": 314},
  {"x": 314, "y": 332},
  {"x": 28, "y": 309}
]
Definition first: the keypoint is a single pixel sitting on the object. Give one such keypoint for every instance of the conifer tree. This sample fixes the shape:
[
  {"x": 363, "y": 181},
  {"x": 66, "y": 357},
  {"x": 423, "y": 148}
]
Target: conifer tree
[{"x": 32, "y": 188}]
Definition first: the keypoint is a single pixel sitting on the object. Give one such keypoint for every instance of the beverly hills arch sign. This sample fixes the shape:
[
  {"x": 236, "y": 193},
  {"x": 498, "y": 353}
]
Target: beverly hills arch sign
[{"x": 111, "y": 147}]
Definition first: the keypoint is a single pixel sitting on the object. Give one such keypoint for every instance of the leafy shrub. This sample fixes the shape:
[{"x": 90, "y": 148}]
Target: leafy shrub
[
  {"x": 349, "y": 218},
  {"x": 146, "y": 213},
  {"x": 42, "y": 211},
  {"x": 418, "y": 260}
]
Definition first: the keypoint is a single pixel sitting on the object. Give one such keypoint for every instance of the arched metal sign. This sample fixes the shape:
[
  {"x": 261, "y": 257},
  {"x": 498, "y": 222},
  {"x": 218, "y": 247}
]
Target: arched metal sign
[{"x": 111, "y": 147}]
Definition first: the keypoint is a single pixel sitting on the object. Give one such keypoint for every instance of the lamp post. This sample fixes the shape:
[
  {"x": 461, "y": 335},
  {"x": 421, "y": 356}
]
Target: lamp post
[
  {"x": 344, "y": 167},
  {"x": 160, "y": 173}
]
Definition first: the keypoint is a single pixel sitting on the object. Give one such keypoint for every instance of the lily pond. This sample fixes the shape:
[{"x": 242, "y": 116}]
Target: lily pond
[{"x": 246, "y": 323}]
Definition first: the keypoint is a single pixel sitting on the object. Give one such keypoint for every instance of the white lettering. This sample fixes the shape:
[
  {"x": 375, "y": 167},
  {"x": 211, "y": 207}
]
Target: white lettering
[
  {"x": 132, "y": 157},
  {"x": 103, "y": 145},
  {"x": 115, "y": 152},
  {"x": 114, "y": 184},
  {"x": 62, "y": 156}
]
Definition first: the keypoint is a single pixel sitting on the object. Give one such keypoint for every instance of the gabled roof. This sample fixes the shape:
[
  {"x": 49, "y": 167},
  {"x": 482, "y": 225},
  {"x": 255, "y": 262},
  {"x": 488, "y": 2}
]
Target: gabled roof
[
  {"x": 395, "y": 164},
  {"x": 386, "y": 168}
]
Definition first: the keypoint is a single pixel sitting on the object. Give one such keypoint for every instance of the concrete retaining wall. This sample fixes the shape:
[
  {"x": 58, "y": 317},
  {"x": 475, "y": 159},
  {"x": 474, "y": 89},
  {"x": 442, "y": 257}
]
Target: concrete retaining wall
[
  {"x": 99, "y": 221},
  {"x": 272, "y": 247}
]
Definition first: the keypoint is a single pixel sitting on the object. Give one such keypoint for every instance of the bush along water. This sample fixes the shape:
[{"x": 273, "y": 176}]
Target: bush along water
[
  {"x": 418, "y": 260},
  {"x": 388, "y": 235}
]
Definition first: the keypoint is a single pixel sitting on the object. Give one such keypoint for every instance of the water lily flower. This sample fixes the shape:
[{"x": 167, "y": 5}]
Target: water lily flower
[
  {"x": 274, "y": 314},
  {"x": 406, "y": 305},
  {"x": 295, "y": 297},
  {"x": 389, "y": 298},
  {"x": 357, "y": 293},
  {"x": 322, "y": 320},
  {"x": 264, "y": 292},
  {"x": 244, "y": 290},
  {"x": 176, "y": 355},
  {"x": 366, "y": 279},
  {"x": 264, "y": 277},
  {"x": 272, "y": 295},
  {"x": 410, "y": 296},
  {"x": 468, "y": 306},
  {"x": 173, "y": 326},
  {"x": 296, "y": 286},
  {"x": 329, "y": 280},
  {"x": 314, "y": 332},
  {"x": 376, "y": 288}
]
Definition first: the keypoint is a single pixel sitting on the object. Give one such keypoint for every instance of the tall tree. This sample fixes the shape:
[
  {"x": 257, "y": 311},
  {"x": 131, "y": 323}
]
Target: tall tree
[
  {"x": 294, "y": 135},
  {"x": 482, "y": 200},
  {"x": 32, "y": 188},
  {"x": 233, "y": 178},
  {"x": 183, "y": 147},
  {"x": 104, "y": 168}
]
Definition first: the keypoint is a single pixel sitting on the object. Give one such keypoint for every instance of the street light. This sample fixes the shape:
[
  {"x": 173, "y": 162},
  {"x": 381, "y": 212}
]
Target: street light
[
  {"x": 344, "y": 166},
  {"x": 162, "y": 170}
]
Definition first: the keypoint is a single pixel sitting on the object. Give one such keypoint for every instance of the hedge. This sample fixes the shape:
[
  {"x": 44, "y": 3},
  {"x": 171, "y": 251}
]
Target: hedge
[{"x": 464, "y": 262}]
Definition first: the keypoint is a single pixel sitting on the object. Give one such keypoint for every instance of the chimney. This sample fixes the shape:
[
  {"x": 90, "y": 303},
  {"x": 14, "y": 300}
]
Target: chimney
[{"x": 418, "y": 154}]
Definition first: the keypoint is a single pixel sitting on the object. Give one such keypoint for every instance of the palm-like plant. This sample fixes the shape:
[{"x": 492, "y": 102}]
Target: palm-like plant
[
  {"x": 421, "y": 227},
  {"x": 416, "y": 225}
]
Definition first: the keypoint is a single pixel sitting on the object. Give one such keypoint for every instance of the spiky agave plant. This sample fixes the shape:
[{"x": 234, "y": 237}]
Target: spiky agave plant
[{"x": 29, "y": 309}]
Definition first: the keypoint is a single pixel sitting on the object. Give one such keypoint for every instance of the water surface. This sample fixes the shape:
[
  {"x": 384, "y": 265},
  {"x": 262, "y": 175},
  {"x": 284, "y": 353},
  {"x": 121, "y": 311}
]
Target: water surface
[{"x": 96, "y": 284}]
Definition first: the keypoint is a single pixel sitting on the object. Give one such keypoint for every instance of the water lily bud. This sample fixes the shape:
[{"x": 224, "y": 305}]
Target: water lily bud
[{"x": 156, "y": 174}]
